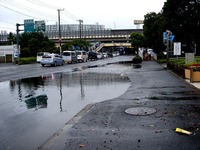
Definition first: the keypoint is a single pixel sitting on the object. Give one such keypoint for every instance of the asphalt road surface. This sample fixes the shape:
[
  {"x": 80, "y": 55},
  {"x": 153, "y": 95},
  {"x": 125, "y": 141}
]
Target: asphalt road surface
[
  {"x": 105, "y": 125},
  {"x": 13, "y": 72}
]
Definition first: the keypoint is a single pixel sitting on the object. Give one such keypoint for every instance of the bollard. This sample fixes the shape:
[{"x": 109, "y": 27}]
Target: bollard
[{"x": 191, "y": 71}]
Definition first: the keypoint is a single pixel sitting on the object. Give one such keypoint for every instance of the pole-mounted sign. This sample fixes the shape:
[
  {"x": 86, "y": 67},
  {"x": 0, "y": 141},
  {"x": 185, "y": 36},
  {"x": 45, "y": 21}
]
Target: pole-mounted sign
[{"x": 177, "y": 48}]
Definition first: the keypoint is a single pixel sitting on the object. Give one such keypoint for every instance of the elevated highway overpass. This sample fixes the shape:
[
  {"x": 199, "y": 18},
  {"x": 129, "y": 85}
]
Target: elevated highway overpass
[
  {"x": 105, "y": 36},
  {"x": 108, "y": 37}
]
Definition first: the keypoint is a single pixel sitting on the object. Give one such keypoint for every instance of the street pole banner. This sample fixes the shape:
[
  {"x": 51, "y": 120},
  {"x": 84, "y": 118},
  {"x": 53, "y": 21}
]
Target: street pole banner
[{"x": 177, "y": 48}]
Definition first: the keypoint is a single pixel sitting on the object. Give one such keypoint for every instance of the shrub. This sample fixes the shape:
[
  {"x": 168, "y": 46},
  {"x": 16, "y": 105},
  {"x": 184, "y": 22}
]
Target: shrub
[
  {"x": 28, "y": 60},
  {"x": 137, "y": 59}
]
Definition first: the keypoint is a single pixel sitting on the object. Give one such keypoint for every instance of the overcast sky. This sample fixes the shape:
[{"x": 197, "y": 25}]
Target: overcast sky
[{"x": 115, "y": 14}]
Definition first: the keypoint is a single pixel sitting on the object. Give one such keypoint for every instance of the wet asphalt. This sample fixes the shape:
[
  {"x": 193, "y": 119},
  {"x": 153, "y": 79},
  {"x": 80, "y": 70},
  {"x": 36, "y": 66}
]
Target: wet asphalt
[{"x": 106, "y": 126}]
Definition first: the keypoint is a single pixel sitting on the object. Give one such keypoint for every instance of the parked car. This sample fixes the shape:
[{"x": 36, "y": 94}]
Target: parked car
[
  {"x": 69, "y": 56},
  {"x": 105, "y": 55},
  {"x": 52, "y": 59},
  {"x": 40, "y": 54},
  {"x": 100, "y": 55},
  {"x": 92, "y": 56},
  {"x": 82, "y": 56}
]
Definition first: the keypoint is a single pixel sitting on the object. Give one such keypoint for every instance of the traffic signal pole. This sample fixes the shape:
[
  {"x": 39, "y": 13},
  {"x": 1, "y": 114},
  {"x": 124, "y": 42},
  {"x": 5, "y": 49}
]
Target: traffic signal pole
[
  {"x": 18, "y": 30},
  {"x": 60, "y": 38},
  {"x": 168, "y": 34}
]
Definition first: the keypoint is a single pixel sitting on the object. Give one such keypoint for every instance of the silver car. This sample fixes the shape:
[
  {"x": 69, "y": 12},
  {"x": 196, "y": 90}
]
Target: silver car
[{"x": 52, "y": 60}]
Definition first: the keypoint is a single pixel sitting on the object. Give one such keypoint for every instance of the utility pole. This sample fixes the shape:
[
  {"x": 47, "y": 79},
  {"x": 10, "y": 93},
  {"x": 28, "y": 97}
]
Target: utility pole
[
  {"x": 17, "y": 30},
  {"x": 80, "y": 26},
  {"x": 60, "y": 38},
  {"x": 168, "y": 35}
]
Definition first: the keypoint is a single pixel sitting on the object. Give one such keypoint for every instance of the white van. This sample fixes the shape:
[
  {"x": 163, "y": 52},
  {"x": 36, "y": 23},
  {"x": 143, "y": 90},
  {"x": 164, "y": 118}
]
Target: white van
[
  {"x": 40, "y": 54},
  {"x": 82, "y": 56},
  {"x": 69, "y": 56}
]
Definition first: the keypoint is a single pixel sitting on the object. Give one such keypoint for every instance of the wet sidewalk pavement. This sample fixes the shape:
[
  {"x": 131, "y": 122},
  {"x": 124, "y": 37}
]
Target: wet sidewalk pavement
[{"x": 160, "y": 102}]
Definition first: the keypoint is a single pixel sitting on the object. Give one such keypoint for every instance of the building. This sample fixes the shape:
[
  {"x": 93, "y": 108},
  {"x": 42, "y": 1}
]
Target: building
[
  {"x": 74, "y": 27},
  {"x": 8, "y": 53}
]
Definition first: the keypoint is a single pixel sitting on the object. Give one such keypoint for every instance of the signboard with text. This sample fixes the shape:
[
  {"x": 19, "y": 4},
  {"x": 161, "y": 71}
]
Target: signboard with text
[
  {"x": 40, "y": 26},
  {"x": 177, "y": 48},
  {"x": 29, "y": 25},
  {"x": 138, "y": 21}
]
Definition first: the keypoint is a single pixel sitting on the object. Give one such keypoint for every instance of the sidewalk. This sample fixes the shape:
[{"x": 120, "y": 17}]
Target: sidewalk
[
  {"x": 196, "y": 84},
  {"x": 160, "y": 102}
]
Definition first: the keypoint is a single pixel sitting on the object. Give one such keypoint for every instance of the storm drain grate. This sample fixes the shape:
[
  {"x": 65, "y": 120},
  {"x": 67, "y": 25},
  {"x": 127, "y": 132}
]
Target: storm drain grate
[{"x": 140, "y": 111}]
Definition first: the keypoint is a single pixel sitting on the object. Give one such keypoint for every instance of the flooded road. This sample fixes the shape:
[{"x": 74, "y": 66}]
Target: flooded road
[{"x": 33, "y": 109}]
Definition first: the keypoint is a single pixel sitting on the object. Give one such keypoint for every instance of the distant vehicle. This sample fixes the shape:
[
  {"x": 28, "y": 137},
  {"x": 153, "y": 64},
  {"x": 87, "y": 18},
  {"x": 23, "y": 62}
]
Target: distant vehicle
[
  {"x": 92, "y": 56},
  {"x": 99, "y": 55},
  {"x": 52, "y": 59},
  {"x": 82, "y": 56},
  {"x": 69, "y": 56},
  {"x": 105, "y": 55},
  {"x": 40, "y": 54}
]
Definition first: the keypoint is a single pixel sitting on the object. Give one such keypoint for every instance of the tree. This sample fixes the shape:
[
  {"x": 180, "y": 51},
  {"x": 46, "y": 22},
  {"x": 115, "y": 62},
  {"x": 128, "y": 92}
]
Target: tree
[
  {"x": 32, "y": 43},
  {"x": 67, "y": 46},
  {"x": 82, "y": 44},
  {"x": 11, "y": 38},
  {"x": 182, "y": 17},
  {"x": 137, "y": 40},
  {"x": 153, "y": 31},
  {"x": 76, "y": 44}
]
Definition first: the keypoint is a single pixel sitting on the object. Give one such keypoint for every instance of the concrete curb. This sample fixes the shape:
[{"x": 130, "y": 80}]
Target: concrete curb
[
  {"x": 52, "y": 140},
  {"x": 188, "y": 82}
]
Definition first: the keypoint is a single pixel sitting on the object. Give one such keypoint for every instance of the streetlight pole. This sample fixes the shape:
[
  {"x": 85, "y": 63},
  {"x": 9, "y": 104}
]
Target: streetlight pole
[
  {"x": 80, "y": 22},
  {"x": 18, "y": 30},
  {"x": 60, "y": 38}
]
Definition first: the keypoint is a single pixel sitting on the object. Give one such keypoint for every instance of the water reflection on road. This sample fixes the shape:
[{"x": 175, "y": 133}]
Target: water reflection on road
[{"x": 33, "y": 109}]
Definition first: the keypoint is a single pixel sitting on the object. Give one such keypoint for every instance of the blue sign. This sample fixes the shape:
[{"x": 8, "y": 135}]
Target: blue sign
[
  {"x": 171, "y": 38},
  {"x": 29, "y": 25},
  {"x": 164, "y": 35}
]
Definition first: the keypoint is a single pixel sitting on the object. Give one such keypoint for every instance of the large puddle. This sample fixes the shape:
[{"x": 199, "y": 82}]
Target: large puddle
[{"x": 33, "y": 109}]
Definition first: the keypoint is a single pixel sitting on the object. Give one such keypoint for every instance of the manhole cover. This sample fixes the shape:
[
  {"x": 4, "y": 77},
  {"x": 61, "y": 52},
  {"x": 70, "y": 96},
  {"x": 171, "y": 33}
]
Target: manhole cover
[{"x": 140, "y": 111}]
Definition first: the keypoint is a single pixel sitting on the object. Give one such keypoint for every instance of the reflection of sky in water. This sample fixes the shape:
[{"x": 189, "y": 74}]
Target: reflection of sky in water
[{"x": 29, "y": 106}]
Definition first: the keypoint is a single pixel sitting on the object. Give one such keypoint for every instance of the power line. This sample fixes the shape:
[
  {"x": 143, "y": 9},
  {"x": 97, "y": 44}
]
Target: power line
[
  {"x": 27, "y": 9},
  {"x": 43, "y": 4},
  {"x": 7, "y": 27},
  {"x": 23, "y": 7},
  {"x": 46, "y": 5},
  {"x": 71, "y": 16},
  {"x": 7, "y": 22},
  {"x": 19, "y": 12}
]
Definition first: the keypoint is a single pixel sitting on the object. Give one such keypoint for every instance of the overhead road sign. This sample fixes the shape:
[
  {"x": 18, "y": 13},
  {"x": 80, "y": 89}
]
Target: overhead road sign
[
  {"x": 136, "y": 22},
  {"x": 40, "y": 26},
  {"x": 29, "y": 25}
]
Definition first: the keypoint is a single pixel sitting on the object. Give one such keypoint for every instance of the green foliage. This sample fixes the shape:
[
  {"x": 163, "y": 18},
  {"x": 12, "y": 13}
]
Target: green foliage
[
  {"x": 67, "y": 46},
  {"x": 180, "y": 62},
  {"x": 32, "y": 43},
  {"x": 11, "y": 38},
  {"x": 79, "y": 44},
  {"x": 28, "y": 60},
  {"x": 82, "y": 44},
  {"x": 137, "y": 59},
  {"x": 181, "y": 17},
  {"x": 153, "y": 30},
  {"x": 137, "y": 40}
]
